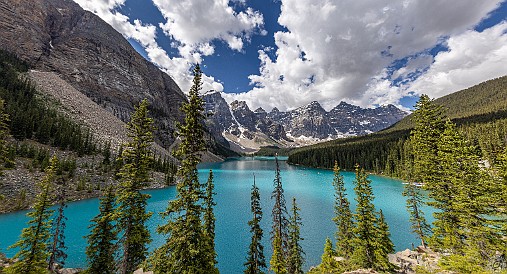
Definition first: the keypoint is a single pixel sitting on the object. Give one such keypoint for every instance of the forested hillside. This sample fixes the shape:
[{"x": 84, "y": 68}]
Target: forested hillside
[
  {"x": 36, "y": 127},
  {"x": 480, "y": 113}
]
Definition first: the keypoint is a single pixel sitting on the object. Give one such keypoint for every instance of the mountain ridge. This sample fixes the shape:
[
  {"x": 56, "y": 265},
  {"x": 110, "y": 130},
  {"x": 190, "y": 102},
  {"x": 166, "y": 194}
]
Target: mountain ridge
[
  {"x": 58, "y": 36},
  {"x": 246, "y": 130}
]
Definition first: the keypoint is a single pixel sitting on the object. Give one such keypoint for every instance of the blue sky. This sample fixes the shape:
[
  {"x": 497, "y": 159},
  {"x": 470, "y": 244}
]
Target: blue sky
[{"x": 287, "y": 53}]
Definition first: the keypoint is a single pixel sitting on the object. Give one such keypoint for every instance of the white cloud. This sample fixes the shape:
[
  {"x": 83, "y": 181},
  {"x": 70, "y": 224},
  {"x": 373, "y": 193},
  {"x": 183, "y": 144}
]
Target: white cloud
[
  {"x": 241, "y": 25},
  {"x": 339, "y": 50},
  {"x": 196, "y": 22},
  {"x": 472, "y": 58}
]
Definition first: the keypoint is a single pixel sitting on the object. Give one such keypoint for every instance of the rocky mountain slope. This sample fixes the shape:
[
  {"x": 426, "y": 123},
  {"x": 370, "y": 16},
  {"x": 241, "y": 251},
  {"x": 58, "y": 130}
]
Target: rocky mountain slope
[
  {"x": 58, "y": 36},
  {"x": 246, "y": 130}
]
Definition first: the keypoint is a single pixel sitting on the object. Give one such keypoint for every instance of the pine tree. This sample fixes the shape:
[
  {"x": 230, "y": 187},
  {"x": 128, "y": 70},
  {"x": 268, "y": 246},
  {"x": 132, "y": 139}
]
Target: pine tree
[
  {"x": 415, "y": 201},
  {"x": 343, "y": 216},
  {"x": 4, "y": 133},
  {"x": 101, "y": 240},
  {"x": 277, "y": 262},
  {"x": 256, "y": 261},
  {"x": 464, "y": 202},
  {"x": 34, "y": 240},
  {"x": 58, "y": 247},
  {"x": 279, "y": 232},
  {"x": 365, "y": 232},
  {"x": 384, "y": 245},
  {"x": 328, "y": 263},
  {"x": 296, "y": 259},
  {"x": 134, "y": 176},
  {"x": 185, "y": 248},
  {"x": 209, "y": 220},
  {"x": 429, "y": 125}
]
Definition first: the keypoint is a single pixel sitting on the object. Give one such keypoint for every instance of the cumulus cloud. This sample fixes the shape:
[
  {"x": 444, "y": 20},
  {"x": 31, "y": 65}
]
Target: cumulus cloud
[
  {"x": 197, "y": 22},
  {"x": 340, "y": 50},
  {"x": 473, "y": 57}
]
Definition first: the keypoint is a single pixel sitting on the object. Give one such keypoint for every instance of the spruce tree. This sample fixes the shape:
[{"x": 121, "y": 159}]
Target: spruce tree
[
  {"x": 134, "y": 176},
  {"x": 279, "y": 234},
  {"x": 365, "y": 231},
  {"x": 34, "y": 240},
  {"x": 462, "y": 225},
  {"x": 428, "y": 122},
  {"x": 256, "y": 261},
  {"x": 101, "y": 247},
  {"x": 328, "y": 263},
  {"x": 185, "y": 249},
  {"x": 277, "y": 263},
  {"x": 296, "y": 253},
  {"x": 343, "y": 216},
  {"x": 58, "y": 247},
  {"x": 209, "y": 220},
  {"x": 4, "y": 133},
  {"x": 384, "y": 245},
  {"x": 415, "y": 201}
]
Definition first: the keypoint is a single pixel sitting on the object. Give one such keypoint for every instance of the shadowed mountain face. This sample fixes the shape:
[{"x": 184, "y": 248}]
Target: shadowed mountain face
[
  {"x": 247, "y": 130},
  {"x": 59, "y": 36}
]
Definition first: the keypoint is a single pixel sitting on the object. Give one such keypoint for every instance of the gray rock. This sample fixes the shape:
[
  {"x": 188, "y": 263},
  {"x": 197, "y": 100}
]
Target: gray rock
[{"x": 59, "y": 36}]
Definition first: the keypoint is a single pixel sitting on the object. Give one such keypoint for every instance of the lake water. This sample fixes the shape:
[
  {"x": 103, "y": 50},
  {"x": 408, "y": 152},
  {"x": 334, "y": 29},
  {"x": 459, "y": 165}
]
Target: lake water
[{"x": 233, "y": 181}]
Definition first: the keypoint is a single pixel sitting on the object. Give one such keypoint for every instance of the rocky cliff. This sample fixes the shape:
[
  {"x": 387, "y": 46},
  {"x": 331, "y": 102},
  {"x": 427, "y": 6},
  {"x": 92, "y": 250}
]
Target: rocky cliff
[
  {"x": 246, "y": 130},
  {"x": 59, "y": 36}
]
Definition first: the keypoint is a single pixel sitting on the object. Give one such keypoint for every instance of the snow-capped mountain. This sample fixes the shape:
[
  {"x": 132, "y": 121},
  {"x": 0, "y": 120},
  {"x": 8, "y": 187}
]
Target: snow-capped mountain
[{"x": 246, "y": 130}]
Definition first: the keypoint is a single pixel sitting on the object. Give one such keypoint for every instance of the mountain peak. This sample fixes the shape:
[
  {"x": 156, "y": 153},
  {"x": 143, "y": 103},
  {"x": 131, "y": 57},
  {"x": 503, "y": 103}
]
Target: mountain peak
[
  {"x": 239, "y": 105},
  {"x": 275, "y": 110},
  {"x": 259, "y": 110}
]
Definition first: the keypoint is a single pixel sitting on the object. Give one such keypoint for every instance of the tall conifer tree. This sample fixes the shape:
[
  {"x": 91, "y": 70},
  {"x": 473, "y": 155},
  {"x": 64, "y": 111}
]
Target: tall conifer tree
[
  {"x": 415, "y": 201},
  {"x": 279, "y": 233},
  {"x": 464, "y": 202},
  {"x": 256, "y": 261},
  {"x": 134, "y": 176},
  {"x": 209, "y": 220},
  {"x": 343, "y": 216},
  {"x": 58, "y": 247},
  {"x": 185, "y": 249},
  {"x": 103, "y": 235},
  {"x": 296, "y": 253},
  {"x": 429, "y": 123},
  {"x": 328, "y": 263},
  {"x": 384, "y": 245},
  {"x": 34, "y": 240},
  {"x": 4, "y": 133}
]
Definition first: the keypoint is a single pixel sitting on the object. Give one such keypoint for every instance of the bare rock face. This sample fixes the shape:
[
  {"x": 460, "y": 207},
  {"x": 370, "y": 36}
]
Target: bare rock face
[
  {"x": 59, "y": 36},
  {"x": 305, "y": 125}
]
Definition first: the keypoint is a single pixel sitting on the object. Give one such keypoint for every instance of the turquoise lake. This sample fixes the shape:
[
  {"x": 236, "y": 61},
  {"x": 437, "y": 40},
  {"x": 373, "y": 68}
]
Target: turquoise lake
[{"x": 233, "y": 181}]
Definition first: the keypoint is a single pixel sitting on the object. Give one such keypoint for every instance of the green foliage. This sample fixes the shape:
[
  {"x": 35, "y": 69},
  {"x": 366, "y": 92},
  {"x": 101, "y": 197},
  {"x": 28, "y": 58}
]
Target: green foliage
[
  {"x": 185, "y": 249},
  {"x": 415, "y": 201},
  {"x": 34, "y": 240},
  {"x": 279, "y": 233},
  {"x": 57, "y": 251},
  {"x": 277, "y": 263},
  {"x": 296, "y": 254},
  {"x": 103, "y": 235},
  {"x": 371, "y": 243},
  {"x": 209, "y": 221},
  {"x": 31, "y": 117},
  {"x": 134, "y": 176},
  {"x": 384, "y": 245},
  {"x": 429, "y": 125},
  {"x": 272, "y": 151},
  {"x": 478, "y": 111},
  {"x": 328, "y": 263},
  {"x": 343, "y": 216},
  {"x": 5, "y": 161},
  {"x": 364, "y": 230},
  {"x": 256, "y": 261}
]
